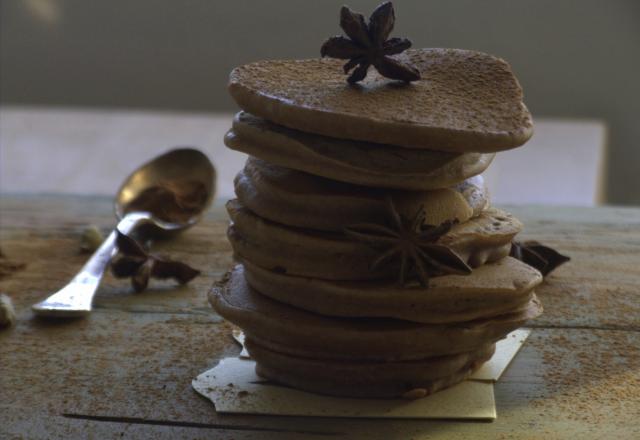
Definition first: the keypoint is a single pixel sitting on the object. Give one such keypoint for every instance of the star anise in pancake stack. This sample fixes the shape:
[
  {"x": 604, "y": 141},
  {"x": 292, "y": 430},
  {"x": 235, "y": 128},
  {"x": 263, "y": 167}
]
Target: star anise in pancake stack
[
  {"x": 412, "y": 243},
  {"x": 370, "y": 45}
]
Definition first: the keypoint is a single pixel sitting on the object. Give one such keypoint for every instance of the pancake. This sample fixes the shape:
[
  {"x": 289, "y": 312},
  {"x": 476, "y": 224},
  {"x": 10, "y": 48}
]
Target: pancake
[
  {"x": 367, "y": 379},
  {"x": 466, "y": 101},
  {"x": 294, "y": 198},
  {"x": 285, "y": 329},
  {"x": 331, "y": 255},
  {"x": 359, "y": 163},
  {"x": 491, "y": 290}
]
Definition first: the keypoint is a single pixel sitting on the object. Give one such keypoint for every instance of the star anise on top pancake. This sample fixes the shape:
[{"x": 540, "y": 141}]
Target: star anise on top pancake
[
  {"x": 537, "y": 255},
  {"x": 411, "y": 243},
  {"x": 369, "y": 45}
]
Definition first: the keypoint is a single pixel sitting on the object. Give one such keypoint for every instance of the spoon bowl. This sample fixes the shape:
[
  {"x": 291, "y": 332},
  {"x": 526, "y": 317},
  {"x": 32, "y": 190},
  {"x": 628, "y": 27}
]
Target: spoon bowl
[{"x": 172, "y": 166}]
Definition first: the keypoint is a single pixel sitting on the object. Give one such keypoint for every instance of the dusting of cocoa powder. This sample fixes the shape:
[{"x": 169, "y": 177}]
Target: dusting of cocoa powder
[
  {"x": 590, "y": 376},
  {"x": 173, "y": 201}
]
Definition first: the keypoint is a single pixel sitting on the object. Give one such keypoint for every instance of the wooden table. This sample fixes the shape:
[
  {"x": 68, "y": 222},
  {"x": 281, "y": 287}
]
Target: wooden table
[{"x": 125, "y": 371}]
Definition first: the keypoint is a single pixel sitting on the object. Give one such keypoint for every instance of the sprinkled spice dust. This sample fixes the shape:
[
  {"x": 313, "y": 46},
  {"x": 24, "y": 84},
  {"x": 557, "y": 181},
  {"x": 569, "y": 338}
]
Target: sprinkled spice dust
[
  {"x": 172, "y": 201},
  {"x": 599, "y": 287},
  {"x": 589, "y": 376}
]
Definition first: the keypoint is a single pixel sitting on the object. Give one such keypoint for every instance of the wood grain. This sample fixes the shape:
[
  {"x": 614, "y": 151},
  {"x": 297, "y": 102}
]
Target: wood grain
[{"x": 126, "y": 369}]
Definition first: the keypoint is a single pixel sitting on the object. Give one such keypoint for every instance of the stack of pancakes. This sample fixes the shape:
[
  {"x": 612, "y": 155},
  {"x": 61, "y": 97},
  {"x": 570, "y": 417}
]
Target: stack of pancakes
[{"x": 324, "y": 155}]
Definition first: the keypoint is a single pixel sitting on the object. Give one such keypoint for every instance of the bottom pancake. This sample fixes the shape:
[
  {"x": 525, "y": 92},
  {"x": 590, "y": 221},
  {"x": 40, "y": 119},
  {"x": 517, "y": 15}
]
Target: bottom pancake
[{"x": 367, "y": 379}]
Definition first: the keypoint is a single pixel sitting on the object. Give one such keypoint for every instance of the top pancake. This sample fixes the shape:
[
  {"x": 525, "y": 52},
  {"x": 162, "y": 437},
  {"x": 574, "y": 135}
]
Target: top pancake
[{"x": 466, "y": 101}]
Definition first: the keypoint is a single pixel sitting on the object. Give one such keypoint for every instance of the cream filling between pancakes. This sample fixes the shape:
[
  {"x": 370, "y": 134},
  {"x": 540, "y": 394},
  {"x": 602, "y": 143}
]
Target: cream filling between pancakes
[
  {"x": 355, "y": 162},
  {"x": 491, "y": 290},
  {"x": 300, "y": 199},
  {"x": 289, "y": 330},
  {"x": 333, "y": 256}
]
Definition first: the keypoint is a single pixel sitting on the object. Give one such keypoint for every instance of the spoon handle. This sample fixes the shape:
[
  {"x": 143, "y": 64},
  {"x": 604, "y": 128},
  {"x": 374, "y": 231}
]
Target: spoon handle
[{"x": 75, "y": 298}]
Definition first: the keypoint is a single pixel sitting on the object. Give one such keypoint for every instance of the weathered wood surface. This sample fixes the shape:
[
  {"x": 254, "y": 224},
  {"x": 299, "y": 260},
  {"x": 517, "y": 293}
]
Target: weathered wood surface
[{"x": 125, "y": 371}]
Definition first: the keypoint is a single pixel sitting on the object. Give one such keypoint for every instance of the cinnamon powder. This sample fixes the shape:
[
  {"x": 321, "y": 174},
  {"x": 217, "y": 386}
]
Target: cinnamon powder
[{"x": 174, "y": 201}]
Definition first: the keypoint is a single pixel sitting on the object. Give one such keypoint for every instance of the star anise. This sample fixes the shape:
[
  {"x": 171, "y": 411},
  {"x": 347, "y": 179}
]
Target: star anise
[
  {"x": 412, "y": 243},
  {"x": 369, "y": 45},
  {"x": 134, "y": 261},
  {"x": 537, "y": 255}
]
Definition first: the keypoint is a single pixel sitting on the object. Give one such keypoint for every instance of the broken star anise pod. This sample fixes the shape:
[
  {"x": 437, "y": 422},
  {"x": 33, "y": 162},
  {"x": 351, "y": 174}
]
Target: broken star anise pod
[
  {"x": 369, "y": 45},
  {"x": 537, "y": 255},
  {"x": 132, "y": 260},
  {"x": 412, "y": 243}
]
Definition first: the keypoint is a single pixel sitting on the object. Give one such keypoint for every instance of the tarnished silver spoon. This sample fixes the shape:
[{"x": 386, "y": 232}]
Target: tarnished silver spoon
[{"x": 139, "y": 203}]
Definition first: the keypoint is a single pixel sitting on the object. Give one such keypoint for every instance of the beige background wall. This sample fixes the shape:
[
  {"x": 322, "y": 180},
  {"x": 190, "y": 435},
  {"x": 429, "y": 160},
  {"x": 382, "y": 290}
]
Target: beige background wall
[{"x": 574, "y": 58}]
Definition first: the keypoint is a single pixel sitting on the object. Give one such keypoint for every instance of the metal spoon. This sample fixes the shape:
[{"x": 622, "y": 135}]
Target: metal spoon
[{"x": 75, "y": 298}]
